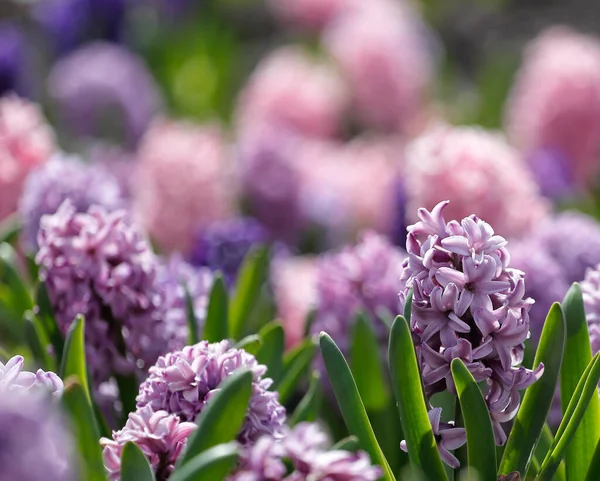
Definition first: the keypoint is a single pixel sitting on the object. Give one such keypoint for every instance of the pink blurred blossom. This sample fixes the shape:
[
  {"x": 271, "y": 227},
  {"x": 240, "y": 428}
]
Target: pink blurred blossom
[
  {"x": 26, "y": 141},
  {"x": 294, "y": 283},
  {"x": 182, "y": 182},
  {"x": 555, "y": 102},
  {"x": 290, "y": 90},
  {"x": 309, "y": 14},
  {"x": 478, "y": 172},
  {"x": 382, "y": 47}
]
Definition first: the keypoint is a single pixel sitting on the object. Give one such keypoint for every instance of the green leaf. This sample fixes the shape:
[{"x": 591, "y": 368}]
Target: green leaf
[
  {"x": 585, "y": 390},
  {"x": 537, "y": 401},
  {"x": 481, "y": 446},
  {"x": 308, "y": 407},
  {"x": 14, "y": 294},
  {"x": 295, "y": 364},
  {"x": 593, "y": 473},
  {"x": 349, "y": 443},
  {"x": 45, "y": 314},
  {"x": 366, "y": 365},
  {"x": 351, "y": 406},
  {"x": 9, "y": 229},
  {"x": 76, "y": 403},
  {"x": 34, "y": 335},
  {"x": 578, "y": 353},
  {"x": 213, "y": 464},
  {"x": 191, "y": 318},
  {"x": 216, "y": 324},
  {"x": 271, "y": 350},
  {"x": 73, "y": 360},
  {"x": 408, "y": 388},
  {"x": 134, "y": 465},
  {"x": 251, "y": 277},
  {"x": 250, "y": 344},
  {"x": 223, "y": 416},
  {"x": 408, "y": 305}
]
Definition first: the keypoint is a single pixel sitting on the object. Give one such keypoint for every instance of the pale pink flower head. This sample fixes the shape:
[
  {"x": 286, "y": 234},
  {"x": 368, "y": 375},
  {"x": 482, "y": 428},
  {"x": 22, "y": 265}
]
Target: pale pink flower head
[
  {"x": 293, "y": 91},
  {"x": 382, "y": 49},
  {"x": 479, "y": 173},
  {"x": 309, "y": 14},
  {"x": 181, "y": 182},
  {"x": 294, "y": 284},
  {"x": 555, "y": 102},
  {"x": 26, "y": 141}
]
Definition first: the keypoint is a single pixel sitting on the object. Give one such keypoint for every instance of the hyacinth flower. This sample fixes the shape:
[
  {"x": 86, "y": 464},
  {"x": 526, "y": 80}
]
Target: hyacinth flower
[
  {"x": 160, "y": 436},
  {"x": 64, "y": 177},
  {"x": 468, "y": 304},
  {"x": 182, "y": 382},
  {"x": 26, "y": 142},
  {"x": 13, "y": 378},
  {"x": 223, "y": 245},
  {"x": 590, "y": 288},
  {"x": 302, "y": 455},
  {"x": 36, "y": 443},
  {"x": 13, "y": 76}
]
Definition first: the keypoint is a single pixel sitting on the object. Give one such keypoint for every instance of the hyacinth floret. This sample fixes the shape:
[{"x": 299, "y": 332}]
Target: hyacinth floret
[
  {"x": 302, "y": 455},
  {"x": 468, "y": 304},
  {"x": 182, "y": 382},
  {"x": 160, "y": 436},
  {"x": 13, "y": 378}
]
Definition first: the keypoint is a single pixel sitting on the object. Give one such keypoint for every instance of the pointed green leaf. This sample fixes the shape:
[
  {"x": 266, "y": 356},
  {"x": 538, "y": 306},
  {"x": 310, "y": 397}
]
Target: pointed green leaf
[
  {"x": 308, "y": 407},
  {"x": 349, "y": 443},
  {"x": 351, "y": 406},
  {"x": 76, "y": 403},
  {"x": 192, "y": 324},
  {"x": 134, "y": 465},
  {"x": 530, "y": 419},
  {"x": 216, "y": 324},
  {"x": 250, "y": 344},
  {"x": 251, "y": 277},
  {"x": 407, "y": 385},
  {"x": 296, "y": 364},
  {"x": 578, "y": 353},
  {"x": 21, "y": 296},
  {"x": 213, "y": 464},
  {"x": 73, "y": 360},
  {"x": 222, "y": 418},
  {"x": 585, "y": 390},
  {"x": 271, "y": 350},
  {"x": 481, "y": 446},
  {"x": 593, "y": 473},
  {"x": 45, "y": 314},
  {"x": 366, "y": 365},
  {"x": 34, "y": 335},
  {"x": 408, "y": 305}
]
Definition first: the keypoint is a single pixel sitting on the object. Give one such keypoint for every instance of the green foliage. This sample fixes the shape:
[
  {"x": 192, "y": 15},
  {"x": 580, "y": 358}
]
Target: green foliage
[
  {"x": 73, "y": 361},
  {"x": 217, "y": 316},
  {"x": 296, "y": 364},
  {"x": 271, "y": 349},
  {"x": 134, "y": 465},
  {"x": 213, "y": 463}
]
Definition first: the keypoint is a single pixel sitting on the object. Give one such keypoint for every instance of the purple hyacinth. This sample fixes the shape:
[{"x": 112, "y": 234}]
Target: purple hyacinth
[
  {"x": 99, "y": 265},
  {"x": 13, "y": 378},
  {"x": 174, "y": 275},
  {"x": 182, "y": 382},
  {"x": 64, "y": 177},
  {"x": 12, "y": 59},
  {"x": 590, "y": 288},
  {"x": 553, "y": 172},
  {"x": 34, "y": 441},
  {"x": 94, "y": 104},
  {"x": 365, "y": 276},
  {"x": 545, "y": 281},
  {"x": 448, "y": 437},
  {"x": 574, "y": 254},
  {"x": 223, "y": 245},
  {"x": 468, "y": 304},
  {"x": 159, "y": 435},
  {"x": 303, "y": 455}
]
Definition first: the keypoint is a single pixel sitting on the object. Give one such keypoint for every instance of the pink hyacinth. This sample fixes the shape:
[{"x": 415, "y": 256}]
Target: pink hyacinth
[
  {"x": 555, "y": 102},
  {"x": 26, "y": 141},
  {"x": 479, "y": 173},
  {"x": 159, "y": 435},
  {"x": 381, "y": 47},
  {"x": 290, "y": 90},
  {"x": 181, "y": 182},
  {"x": 294, "y": 285}
]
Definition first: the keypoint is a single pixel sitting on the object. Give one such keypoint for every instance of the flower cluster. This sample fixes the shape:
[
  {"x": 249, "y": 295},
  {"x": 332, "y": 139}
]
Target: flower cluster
[
  {"x": 590, "y": 288},
  {"x": 468, "y": 304},
  {"x": 159, "y": 435},
  {"x": 26, "y": 142},
  {"x": 182, "y": 382},
  {"x": 65, "y": 177},
  {"x": 223, "y": 245},
  {"x": 13, "y": 378},
  {"x": 302, "y": 455},
  {"x": 34, "y": 443},
  {"x": 365, "y": 276}
]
